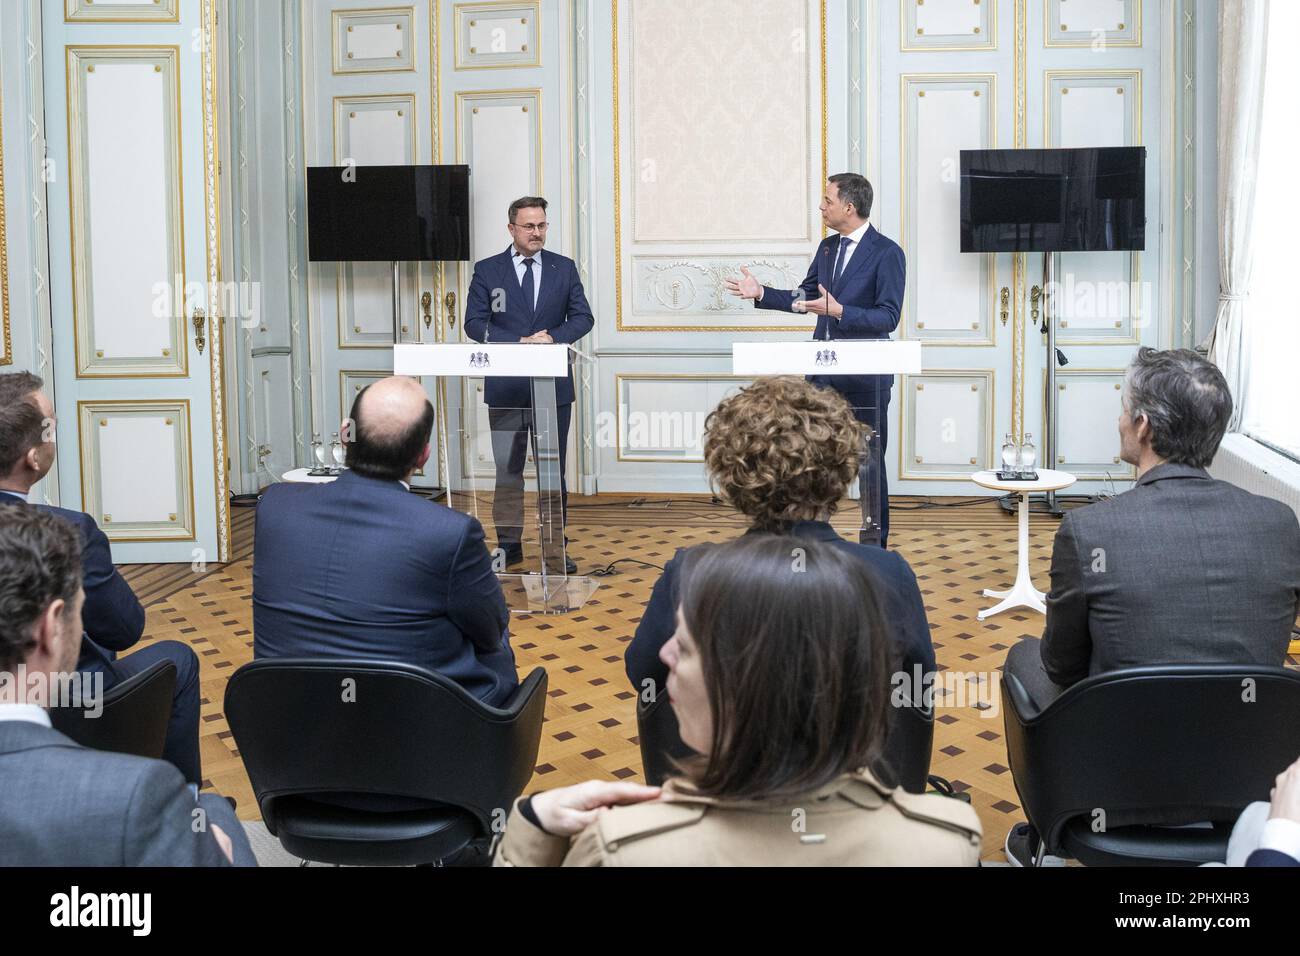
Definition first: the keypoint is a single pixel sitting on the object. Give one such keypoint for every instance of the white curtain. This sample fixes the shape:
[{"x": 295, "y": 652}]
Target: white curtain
[{"x": 1243, "y": 32}]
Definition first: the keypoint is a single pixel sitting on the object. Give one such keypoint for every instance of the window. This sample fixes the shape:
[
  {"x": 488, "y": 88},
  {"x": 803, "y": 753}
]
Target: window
[{"x": 1271, "y": 412}]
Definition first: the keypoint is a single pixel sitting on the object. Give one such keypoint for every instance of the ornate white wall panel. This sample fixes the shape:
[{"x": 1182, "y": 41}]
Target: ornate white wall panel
[
  {"x": 950, "y": 296},
  {"x": 373, "y": 41},
  {"x": 273, "y": 380},
  {"x": 947, "y": 420},
  {"x": 1089, "y": 401},
  {"x": 1096, "y": 24},
  {"x": 698, "y": 85},
  {"x": 672, "y": 285},
  {"x": 661, "y": 415},
  {"x": 1101, "y": 296},
  {"x": 130, "y": 200},
  {"x": 498, "y": 134},
  {"x": 121, "y": 11},
  {"x": 124, "y": 440},
  {"x": 127, "y": 246},
  {"x": 373, "y": 131},
  {"x": 495, "y": 35},
  {"x": 719, "y": 143},
  {"x": 949, "y": 24}
]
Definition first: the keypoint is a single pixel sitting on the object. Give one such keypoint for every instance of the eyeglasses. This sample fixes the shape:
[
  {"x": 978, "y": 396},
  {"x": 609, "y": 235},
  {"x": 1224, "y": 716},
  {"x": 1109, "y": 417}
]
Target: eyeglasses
[{"x": 531, "y": 226}]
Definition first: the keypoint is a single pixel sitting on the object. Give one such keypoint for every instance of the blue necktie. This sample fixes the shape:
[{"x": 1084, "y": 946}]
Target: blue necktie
[
  {"x": 839, "y": 261},
  {"x": 527, "y": 285}
]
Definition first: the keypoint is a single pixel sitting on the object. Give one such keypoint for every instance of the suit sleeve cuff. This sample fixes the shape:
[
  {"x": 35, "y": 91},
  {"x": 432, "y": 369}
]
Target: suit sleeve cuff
[
  {"x": 1281, "y": 835},
  {"x": 525, "y": 843}
]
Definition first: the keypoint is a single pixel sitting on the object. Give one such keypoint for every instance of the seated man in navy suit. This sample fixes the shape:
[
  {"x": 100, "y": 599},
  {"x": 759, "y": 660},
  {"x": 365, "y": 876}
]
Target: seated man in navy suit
[
  {"x": 362, "y": 568},
  {"x": 522, "y": 296},
  {"x": 113, "y": 618}
]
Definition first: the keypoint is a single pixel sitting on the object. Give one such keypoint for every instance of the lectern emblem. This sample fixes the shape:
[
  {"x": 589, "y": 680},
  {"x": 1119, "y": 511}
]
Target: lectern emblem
[
  {"x": 827, "y": 357},
  {"x": 479, "y": 360}
]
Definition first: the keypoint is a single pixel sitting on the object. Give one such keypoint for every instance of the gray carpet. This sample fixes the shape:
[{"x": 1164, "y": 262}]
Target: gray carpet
[{"x": 267, "y": 848}]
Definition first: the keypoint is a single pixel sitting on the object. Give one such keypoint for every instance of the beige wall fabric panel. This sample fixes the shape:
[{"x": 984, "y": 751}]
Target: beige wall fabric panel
[{"x": 703, "y": 95}]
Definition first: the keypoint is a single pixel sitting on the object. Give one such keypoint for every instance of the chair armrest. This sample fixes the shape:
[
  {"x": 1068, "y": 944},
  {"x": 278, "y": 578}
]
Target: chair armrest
[
  {"x": 1019, "y": 698},
  {"x": 536, "y": 681}
]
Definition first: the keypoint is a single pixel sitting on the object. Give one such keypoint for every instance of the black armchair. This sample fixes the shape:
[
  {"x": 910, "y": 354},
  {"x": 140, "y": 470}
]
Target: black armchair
[
  {"x": 134, "y": 718},
  {"x": 660, "y": 739},
  {"x": 1151, "y": 766},
  {"x": 322, "y": 739}
]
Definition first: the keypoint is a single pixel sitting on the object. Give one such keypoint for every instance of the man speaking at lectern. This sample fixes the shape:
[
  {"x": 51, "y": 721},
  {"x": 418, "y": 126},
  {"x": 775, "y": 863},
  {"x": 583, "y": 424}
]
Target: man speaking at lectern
[
  {"x": 855, "y": 288},
  {"x": 523, "y": 295}
]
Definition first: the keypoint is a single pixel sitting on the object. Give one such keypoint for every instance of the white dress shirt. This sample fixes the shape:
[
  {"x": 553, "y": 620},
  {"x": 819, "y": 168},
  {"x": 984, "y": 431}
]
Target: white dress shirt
[
  {"x": 28, "y": 712},
  {"x": 1281, "y": 835},
  {"x": 854, "y": 238},
  {"x": 518, "y": 258}
]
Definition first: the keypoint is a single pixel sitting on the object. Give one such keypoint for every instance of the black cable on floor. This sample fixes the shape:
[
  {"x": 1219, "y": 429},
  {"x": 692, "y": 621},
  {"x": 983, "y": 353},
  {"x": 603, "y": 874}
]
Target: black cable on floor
[{"x": 608, "y": 569}]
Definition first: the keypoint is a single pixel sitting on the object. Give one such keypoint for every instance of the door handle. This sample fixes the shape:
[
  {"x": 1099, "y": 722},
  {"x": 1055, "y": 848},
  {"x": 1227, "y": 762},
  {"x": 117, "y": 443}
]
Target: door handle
[
  {"x": 1035, "y": 294},
  {"x": 449, "y": 303},
  {"x": 200, "y": 321},
  {"x": 1005, "y": 298},
  {"x": 426, "y": 303}
]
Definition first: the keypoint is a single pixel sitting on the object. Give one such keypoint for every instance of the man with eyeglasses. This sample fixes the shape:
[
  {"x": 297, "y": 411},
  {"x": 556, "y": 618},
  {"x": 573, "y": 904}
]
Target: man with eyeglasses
[{"x": 523, "y": 295}]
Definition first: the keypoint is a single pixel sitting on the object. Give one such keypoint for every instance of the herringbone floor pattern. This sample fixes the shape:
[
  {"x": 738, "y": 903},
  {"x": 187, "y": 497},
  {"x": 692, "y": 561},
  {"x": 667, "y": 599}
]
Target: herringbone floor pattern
[{"x": 590, "y": 728}]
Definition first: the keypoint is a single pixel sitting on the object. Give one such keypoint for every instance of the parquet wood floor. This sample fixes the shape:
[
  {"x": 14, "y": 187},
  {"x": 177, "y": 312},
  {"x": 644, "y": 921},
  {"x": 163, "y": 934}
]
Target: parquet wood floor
[{"x": 590, "y": 727}]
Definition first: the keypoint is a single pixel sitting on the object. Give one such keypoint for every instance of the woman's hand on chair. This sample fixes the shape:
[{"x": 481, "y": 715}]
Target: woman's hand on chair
[{"x": 567, "y": 811}]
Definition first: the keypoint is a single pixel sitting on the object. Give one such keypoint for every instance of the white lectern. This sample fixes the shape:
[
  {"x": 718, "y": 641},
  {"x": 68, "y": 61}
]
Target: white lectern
[
  {"x": 550, "y": 590},
  {"x": 836, "y": 357}
]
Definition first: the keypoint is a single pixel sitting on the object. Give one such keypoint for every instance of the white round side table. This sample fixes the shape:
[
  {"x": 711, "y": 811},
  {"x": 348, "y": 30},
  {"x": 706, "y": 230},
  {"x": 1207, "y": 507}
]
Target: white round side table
[
  {"x": 301, "y": 476},
  {"x": 1022, "y": 593}
]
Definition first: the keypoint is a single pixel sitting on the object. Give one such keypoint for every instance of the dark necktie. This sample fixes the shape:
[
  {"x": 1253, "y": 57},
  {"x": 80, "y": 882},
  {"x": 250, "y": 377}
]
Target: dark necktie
[
  {"x": 527, "y": 285},
  {"x": 839, "y": 261}
]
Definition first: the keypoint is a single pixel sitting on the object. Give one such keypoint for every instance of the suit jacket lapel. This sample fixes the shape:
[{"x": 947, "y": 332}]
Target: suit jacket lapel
[
  {"x": 860, "y": 256},
  {"x": 825, "y": 269},
  {"x": 510, "y": 282},
  {"x": 549, "y": 280}
]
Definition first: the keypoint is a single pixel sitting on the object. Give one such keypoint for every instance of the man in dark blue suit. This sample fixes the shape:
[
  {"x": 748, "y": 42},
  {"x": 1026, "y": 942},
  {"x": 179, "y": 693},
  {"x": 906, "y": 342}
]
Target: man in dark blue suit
[
  {"x": 363, "y": 568},
  {"x": 521, "y": 295},
  {"x": 855, "y": 288},
  {"x": 113, "y": 619}
]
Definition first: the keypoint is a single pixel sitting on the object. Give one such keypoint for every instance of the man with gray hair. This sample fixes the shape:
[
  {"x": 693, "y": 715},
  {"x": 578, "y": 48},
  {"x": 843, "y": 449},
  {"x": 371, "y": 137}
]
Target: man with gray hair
[{"x": 1182, "y": 568}]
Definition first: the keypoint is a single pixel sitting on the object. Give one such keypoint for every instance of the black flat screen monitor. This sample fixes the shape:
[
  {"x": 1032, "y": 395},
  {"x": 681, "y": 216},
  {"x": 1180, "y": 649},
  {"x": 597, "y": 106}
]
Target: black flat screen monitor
[
  {"x": 388, "y": 213},
  {"x": 1053, "y": 200}
]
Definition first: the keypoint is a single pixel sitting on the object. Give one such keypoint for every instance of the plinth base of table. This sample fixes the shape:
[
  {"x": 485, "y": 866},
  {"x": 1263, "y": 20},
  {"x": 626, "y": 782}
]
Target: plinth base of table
[{"x": 1022, "y": 594}]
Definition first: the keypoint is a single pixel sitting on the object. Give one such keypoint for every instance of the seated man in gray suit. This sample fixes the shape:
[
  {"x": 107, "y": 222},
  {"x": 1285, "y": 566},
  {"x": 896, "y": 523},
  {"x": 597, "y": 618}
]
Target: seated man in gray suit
[
  {"x": 363, "y": 568},
  {"x": 1182, "y": 568},
  {"x": 65, "y": 805}
]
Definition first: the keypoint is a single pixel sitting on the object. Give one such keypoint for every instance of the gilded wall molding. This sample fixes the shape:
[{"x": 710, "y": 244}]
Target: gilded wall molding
[
  {"x": 1020, "y": 135},
  {"x": 7, "y": 356},
  {"x": 216, "y": 321}
]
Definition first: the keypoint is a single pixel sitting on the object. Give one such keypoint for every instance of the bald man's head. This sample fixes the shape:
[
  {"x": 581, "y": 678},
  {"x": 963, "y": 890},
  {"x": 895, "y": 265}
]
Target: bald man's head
[{"x": 391, "y": 423}]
